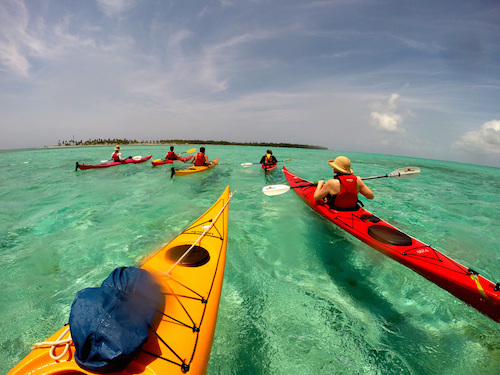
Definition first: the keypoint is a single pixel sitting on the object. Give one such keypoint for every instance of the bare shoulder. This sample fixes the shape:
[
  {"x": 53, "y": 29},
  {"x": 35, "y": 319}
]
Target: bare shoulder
[
  {"x": 332, "y": 182},
  {"x": 333, "y": 186}
]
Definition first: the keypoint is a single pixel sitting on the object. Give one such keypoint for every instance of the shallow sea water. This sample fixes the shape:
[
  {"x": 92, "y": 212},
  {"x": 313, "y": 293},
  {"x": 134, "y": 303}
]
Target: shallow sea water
[{"x": 299, "y": 297}]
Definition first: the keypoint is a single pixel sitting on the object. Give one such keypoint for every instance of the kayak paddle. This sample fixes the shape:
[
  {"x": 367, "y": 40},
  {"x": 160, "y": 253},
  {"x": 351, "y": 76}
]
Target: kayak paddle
[
  {"x": 185, "y": 152},
  {"x": 130, "y": 157},
  {"x": 398, "y": 174},
  {"x": 246, "y": 165},
  {"x": 272, "y": 190}
]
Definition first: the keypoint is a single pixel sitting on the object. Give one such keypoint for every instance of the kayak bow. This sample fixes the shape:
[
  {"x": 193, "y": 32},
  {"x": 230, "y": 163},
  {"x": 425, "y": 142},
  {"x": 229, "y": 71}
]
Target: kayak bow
[
  {"x": 190, "y": 270},
  {"x": 269, "y": 168},
  {"x": 464, "y": 283}
]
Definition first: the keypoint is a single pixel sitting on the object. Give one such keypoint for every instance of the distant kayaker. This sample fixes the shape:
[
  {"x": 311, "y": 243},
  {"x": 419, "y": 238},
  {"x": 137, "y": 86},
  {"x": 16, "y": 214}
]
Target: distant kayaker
[
  {"x": 171, "y": 155},
  {"x": 341, "y": 192},
  {"x": 268, "y": 159},
  {"x": 201, "y": 158},
  {"x": 117, "y": 155}
]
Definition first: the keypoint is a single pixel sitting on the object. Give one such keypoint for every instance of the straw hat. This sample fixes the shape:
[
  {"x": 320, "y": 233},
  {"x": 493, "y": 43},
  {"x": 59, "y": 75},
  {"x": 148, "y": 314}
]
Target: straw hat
[
  {"x": 341, "y": 164},
  {"x": 117, "y": 148}
]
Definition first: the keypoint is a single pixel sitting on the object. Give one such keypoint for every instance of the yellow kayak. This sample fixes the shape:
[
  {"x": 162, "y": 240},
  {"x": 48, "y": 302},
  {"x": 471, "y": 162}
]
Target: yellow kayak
[
  {"x": 194, "y": 169},
  {"x": 190, "y": 270}
]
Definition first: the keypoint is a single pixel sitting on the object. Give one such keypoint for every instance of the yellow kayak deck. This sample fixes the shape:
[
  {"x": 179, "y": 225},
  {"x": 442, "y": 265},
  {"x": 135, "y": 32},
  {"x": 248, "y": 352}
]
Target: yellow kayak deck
[
  {"x": 191, "y": 283},
  {"x": 196, "y": 169}
]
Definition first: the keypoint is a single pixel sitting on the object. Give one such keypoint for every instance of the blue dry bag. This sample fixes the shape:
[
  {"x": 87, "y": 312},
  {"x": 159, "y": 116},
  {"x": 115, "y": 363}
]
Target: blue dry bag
[{"x": 110, "y": 324}]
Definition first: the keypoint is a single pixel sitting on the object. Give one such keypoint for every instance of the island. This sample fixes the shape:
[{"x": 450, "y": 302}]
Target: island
[{"x": 107, "y": 142}]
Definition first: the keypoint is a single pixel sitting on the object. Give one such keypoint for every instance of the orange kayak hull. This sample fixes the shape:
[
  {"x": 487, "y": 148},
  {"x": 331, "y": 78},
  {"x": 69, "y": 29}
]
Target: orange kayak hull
[
  {"x": 195, "y": 169},
  {"x": 183, "y": 334}
]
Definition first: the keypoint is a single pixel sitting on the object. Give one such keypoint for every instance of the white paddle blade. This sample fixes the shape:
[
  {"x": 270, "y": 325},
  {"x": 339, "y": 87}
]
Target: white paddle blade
[
  {"x": 404, "y": 173},
  {"x": 246, "y": 165},
  {"x": 275, "y": 189},
  {"x": 137, "y": 157}
]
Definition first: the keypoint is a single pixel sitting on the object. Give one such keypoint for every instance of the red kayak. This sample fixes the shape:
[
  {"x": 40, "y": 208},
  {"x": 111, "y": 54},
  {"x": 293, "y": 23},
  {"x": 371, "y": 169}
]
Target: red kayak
[
  {"x": 269, "y": 168},
  {"x": 134, "y": 160},
  {"x": 461, "y": 281},
  {"x": 162, "y": 161}
]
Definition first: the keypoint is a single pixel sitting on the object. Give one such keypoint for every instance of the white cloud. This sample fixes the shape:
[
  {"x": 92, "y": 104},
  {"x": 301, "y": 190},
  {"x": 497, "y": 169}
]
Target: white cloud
[
  {"x": 114, "y": 7},
  {"x": 385, "y": 117},
  {"x": 485, "y": 140},
  {"x": 13, "y": 60},
  {"x": 14, "y": 40},
  {"x": 23, "y": 37}
]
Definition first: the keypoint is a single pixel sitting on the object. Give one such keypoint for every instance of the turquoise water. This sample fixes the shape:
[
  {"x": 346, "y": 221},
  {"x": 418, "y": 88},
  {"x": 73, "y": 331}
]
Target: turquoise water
[{"x": 299, "y": 295}]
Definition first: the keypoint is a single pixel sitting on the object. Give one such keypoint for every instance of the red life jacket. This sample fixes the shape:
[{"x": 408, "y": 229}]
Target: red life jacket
[
  {"x": 115, "y": 156},
  {"x": 268, "y": 161},
  {"x": 199, "y": 159},
  {"x": 171, "y": 156},
  {"x": 348, "y": 195}
]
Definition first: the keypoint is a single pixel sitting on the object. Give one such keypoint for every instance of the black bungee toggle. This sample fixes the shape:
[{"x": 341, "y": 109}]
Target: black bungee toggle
[
  {"x": 497, "y": 287},
  {"x": 184, "y": 367},
  {"x": 472, "y": 272}
]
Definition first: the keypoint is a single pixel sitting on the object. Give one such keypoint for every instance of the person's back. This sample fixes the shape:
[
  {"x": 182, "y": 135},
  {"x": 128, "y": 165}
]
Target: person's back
[
  {"x": 268, "y": 159},
  {"x": 116, "y": 156},
  {"x": 347, "y": 197},
  {"x": 171, "y": 155},
  {"x": 341, "y": 192},
  {"x": 201, "y": 158}
]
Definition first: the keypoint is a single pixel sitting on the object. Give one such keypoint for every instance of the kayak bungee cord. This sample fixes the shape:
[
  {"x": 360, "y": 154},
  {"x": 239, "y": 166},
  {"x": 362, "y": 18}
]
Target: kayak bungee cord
[
  {"x": 196, "y": 329},
  {"x": 192, "y": 326},
  {"x": 182, "y": 314},
  {"x": 184, "y": 366}
]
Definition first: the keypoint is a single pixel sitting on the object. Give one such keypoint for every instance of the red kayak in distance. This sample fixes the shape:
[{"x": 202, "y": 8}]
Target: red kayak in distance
[
  {"x": 162, "y": 161},
  {"x": 134, "y": 160},
  {"x": 463, "y": 282},
  {"x": 269, "y": 168}
]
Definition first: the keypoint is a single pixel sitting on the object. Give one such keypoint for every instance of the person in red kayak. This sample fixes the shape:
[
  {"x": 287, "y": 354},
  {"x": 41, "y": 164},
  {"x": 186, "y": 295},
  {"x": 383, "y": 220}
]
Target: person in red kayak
[
  {"x": 171, "y": 155},
  {"x": 341, "y": 192},
  {"x": 116, "y": 156},
  {"x": 201, "y": 158},
  {"x": 268, "y": 160}
]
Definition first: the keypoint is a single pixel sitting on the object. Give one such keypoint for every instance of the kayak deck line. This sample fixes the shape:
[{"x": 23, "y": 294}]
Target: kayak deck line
[
  {"x": 459, "y": 280},
  {"x": 422, "y": 251},
  {"x": 181, "y": 334}
]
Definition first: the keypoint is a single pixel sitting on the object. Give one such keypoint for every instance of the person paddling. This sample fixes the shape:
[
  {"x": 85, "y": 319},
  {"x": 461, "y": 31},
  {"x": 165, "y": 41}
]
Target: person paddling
[
  {"x": 268, "y": 160},
  {"x": 201, "y": 158},
  {"x": 171, "y": 155},
  {"x": 117, "y": 155},
  {"x": 341, "y": 192}
]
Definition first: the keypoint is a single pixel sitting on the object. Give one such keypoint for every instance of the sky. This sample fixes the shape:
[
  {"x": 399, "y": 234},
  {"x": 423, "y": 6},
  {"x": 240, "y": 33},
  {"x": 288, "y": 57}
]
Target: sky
[{"x": 394, "y": 77}]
